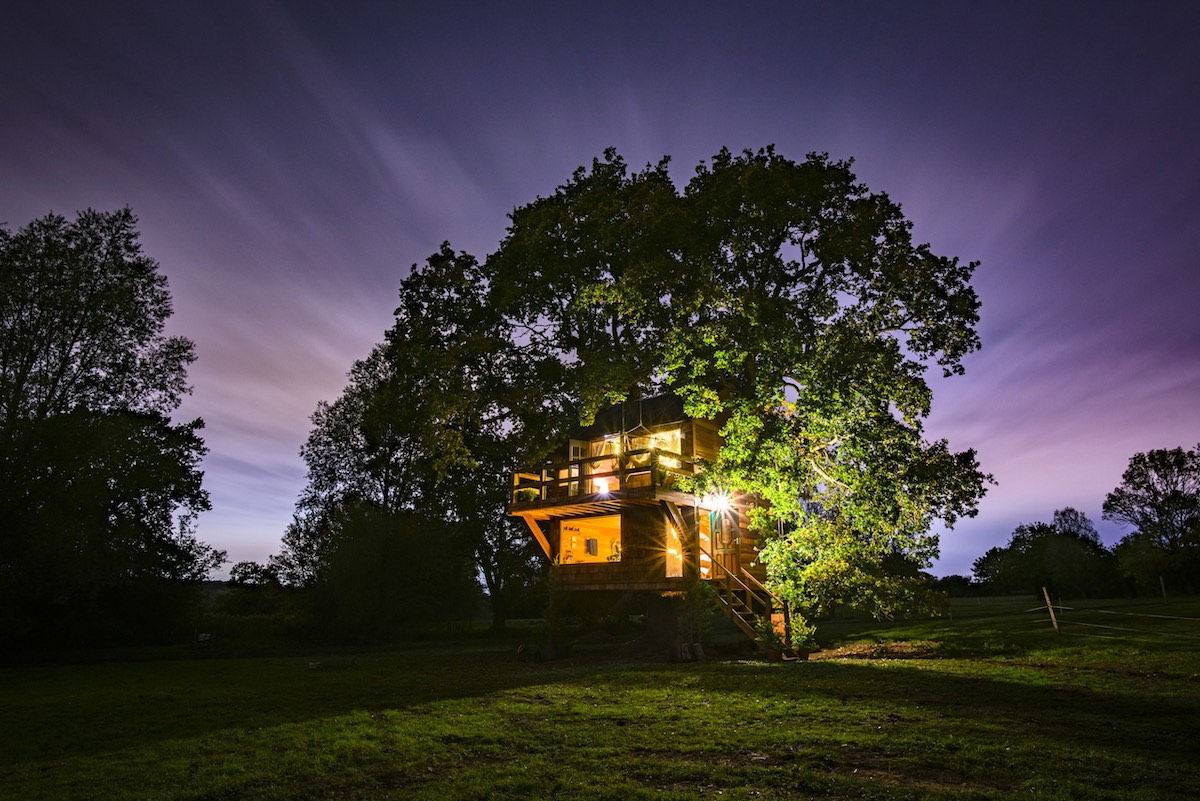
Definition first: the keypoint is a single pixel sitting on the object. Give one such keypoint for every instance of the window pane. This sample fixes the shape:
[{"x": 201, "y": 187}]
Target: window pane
[{"x": 590, "y": 539}]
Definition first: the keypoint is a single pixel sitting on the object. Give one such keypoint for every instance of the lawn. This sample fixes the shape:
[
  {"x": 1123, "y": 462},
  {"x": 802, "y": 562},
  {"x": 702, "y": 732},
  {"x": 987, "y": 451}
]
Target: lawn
[{"x": 989, "y": 704}]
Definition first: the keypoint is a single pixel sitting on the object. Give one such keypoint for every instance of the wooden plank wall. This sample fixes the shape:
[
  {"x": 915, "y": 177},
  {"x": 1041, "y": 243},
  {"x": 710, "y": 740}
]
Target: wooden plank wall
[{"x": 705, "y": 440}]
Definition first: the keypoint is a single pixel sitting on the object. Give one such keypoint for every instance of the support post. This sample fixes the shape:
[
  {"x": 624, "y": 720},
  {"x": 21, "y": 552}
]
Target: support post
[
  {"x": 1050, "y": 606},
  {"x": 538, "y": 535}
]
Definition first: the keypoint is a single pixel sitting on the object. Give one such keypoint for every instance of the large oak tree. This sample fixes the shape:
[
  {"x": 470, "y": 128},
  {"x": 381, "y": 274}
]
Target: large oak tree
[{"x": 788, "y": 302}]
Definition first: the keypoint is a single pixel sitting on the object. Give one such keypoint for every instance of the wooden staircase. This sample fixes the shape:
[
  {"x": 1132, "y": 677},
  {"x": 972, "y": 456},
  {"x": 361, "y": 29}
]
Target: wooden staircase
[{"x": 752, "y": 608}]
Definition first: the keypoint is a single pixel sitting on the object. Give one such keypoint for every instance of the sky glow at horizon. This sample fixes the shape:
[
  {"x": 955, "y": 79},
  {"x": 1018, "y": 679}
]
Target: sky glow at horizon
[{"x": 288, "y": 162}]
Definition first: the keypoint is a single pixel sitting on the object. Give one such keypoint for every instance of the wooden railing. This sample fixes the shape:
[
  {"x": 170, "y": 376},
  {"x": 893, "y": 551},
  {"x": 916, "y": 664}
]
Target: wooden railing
[
  {"x": 747, "y": 600},
  {"x": 601, "y": 475}
]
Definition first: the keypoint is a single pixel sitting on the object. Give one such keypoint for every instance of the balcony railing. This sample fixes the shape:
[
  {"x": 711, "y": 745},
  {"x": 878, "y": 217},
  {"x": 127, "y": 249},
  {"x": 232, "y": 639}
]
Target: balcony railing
[{"x": 601, "y": 475}]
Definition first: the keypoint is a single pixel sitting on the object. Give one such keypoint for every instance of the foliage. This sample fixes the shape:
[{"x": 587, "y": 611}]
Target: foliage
[
  {"x": 98, "y": 489},
  {"x": 82, "y": 311},
  {"x": 391, "y": 573},
  {"x": 782, "y": 299},
  {"x": 788, "y": 302},
  {"x": 585, "y": 278},
  {"x": 93, "y": 505},
  {"x": 1159, "y": 495},
  {"x": 1064, "y": 556},
  {"x": 954, "y": 585},
  {"x": 253, "y": 574},
  {"x": 423, "y": 426}
]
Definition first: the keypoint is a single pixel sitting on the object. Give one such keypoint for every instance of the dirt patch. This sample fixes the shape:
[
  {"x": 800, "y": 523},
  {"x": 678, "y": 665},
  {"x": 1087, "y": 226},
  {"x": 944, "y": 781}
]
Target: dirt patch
[{"x": 902, "y": 649}]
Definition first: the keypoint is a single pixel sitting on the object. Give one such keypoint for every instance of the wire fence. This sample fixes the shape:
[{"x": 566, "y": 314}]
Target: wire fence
[{"x": 1174, "y": 620}]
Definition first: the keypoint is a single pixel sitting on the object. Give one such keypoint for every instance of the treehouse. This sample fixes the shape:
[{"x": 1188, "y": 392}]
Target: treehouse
[{"x": 611, "y": 513}]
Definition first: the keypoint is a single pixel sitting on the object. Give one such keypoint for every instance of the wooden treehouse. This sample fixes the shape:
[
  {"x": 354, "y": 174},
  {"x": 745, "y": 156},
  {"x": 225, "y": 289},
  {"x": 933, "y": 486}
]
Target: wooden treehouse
[{"x": 610, "y": 515}]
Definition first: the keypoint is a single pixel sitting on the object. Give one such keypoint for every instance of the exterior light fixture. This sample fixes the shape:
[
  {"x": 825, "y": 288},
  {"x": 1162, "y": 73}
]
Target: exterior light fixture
[{"x": 716, "y": 501}]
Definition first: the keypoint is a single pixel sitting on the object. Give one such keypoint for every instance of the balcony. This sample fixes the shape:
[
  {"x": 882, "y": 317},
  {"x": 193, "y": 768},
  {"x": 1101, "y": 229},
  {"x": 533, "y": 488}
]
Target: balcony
[{"x": 595, "y": 484}]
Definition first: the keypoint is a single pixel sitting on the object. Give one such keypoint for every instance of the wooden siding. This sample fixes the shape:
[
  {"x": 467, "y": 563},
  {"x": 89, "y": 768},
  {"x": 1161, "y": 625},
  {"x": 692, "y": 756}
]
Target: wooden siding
[
  {"x": 748, "y": 547},
  {"x": 705, "y": 440}
]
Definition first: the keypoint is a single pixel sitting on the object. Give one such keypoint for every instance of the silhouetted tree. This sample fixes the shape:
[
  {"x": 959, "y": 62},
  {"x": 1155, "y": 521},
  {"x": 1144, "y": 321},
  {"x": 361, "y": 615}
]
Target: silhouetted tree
[
  {"x": 82, "y": 311},
  {"x": 1159, "y": 495},
  {"x": 253, "y": 574},
  {"x": 425, "y": 426},
  {"x": 955, "y": 586},
  {"x": 1071, "y": 521},
  {"x": 392, "y": 573},
  {"x": 97, "y": 487}
]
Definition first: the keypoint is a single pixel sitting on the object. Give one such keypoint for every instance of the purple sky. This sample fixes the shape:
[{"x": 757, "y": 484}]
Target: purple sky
[{"x": 290, "y": 161}]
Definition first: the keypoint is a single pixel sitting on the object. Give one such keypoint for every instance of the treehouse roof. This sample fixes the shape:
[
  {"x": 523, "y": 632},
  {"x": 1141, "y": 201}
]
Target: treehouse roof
[{"x": 632, "y": 415}]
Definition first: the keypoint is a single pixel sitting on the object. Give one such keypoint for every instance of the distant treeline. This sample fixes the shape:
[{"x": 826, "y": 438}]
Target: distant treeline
[{"x": 1159, "y": 496}]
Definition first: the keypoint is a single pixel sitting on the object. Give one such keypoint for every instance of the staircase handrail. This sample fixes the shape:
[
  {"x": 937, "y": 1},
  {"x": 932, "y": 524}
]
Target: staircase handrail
[
  {"x": 774, "y": 600},
  {"x": 735, "y": 576}
]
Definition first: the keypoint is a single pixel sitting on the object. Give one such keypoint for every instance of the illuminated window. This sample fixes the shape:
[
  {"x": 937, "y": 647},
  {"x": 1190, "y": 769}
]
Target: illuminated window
[
  {"x": 605, "y": 446},
  {"x": 666, "y": 440},
  {"x": 674, "y": 553},
  {"x": 590, "y": 539}
]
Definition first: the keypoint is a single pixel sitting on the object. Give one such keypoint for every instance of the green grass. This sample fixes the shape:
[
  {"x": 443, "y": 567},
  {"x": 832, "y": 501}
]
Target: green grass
[{"x": 991, "y": 704}]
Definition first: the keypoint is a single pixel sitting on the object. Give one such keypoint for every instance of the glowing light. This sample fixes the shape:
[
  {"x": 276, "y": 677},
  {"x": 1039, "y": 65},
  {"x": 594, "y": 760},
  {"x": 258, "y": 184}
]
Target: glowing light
[
  {"x": 717, "y": 501},
  {"x": 602, "y": 485},
  {"x": 674, "y": 559}
]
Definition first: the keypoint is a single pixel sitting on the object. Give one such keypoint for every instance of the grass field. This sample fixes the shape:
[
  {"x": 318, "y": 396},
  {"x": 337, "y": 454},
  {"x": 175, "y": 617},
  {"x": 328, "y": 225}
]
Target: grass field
[{"x": 989, "y": 704}]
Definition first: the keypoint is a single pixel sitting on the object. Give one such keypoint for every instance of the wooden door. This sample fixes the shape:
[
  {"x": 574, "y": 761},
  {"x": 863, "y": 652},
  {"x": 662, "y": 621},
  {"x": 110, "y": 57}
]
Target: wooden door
[{"x": 725, "y": 544}]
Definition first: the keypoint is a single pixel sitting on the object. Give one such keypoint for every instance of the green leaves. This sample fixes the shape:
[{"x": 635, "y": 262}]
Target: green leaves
[
  {"x": 789, "y": 303},
  {"x": 781, "y": 299}
]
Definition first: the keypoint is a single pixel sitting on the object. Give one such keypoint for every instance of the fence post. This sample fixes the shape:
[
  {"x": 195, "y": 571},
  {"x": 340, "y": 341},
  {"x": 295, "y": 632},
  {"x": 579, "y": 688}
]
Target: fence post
[{"x": 1050, "y": 606}]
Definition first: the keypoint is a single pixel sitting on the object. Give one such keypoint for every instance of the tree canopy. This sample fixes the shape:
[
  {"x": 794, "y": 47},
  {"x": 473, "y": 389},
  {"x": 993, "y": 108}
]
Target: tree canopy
[
  {"x": 97, "y": 486},
  {"x": 425, "y": 428},
  {"x": 83, "y": 311},
  {"x": 782, "y": 299},
  {"x": 1159, "y": 495},
  {"x": 1064, "y": 555},
  {"x": 786, "y": 301}
]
